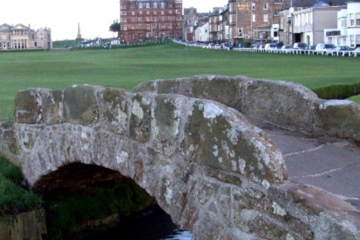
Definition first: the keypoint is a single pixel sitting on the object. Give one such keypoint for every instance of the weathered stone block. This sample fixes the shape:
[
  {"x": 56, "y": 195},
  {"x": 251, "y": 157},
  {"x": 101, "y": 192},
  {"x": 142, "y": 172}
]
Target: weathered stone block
[
  {"x": 339, "y": 118},
  {"x": 140, "y": 118},
  {"x": 80, "y": 105}
]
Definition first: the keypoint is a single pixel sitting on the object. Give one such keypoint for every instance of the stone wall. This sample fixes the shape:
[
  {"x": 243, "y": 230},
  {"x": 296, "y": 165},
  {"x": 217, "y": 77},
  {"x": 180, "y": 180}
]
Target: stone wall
[
  {"x": 284, "y": 104},
  {"x": 28, "y": 225},
  {"x": 206, "y": 165}
]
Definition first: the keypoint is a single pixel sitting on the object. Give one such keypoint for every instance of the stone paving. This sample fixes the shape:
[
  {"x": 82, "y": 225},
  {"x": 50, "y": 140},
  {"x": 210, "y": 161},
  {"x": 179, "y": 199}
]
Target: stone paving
[{"x": 328, "y": 163}]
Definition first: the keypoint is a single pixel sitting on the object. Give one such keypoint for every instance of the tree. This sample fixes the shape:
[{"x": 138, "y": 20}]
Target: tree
[{"x": 115, "y": 27}]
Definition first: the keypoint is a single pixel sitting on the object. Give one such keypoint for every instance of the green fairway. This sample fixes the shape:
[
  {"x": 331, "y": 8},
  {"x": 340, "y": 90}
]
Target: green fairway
[{"x": 125, "y": 68}]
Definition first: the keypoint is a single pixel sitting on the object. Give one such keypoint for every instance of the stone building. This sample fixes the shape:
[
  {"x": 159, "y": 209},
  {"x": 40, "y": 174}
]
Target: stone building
[
  {"x": 150, "y": 19},
  {"x": 218, "y": 21},
  {"x": 23, "y": 37},
  {"x": 192, "y": 20},
  {"x": 310, "y": 23},
  {"x": 254, "y": 19},
  {"x": 300, "y": 25}
]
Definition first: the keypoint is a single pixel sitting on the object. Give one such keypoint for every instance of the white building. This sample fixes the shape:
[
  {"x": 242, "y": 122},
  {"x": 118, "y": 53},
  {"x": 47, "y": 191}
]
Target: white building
[
  {"x": 23, "y": 37},
  {"x": 309, "y": 23},
  {"x": 202, "y": 33},
  {"x": 347, "y": 32}
]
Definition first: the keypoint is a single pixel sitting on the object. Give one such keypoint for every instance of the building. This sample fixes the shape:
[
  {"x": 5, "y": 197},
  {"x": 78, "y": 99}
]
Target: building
[
  {"x": 150, "y": 19},
  {"x": 287, "y": 20},
  {"x": 347, "y": 32},
  {"x": 23, "y": 37},
  {"x": 192, "y": 19},
  {"x": 202, "y": 33},
  {"x": 310, "y": 23},
  {"x": 253, "y": 20},
  {"x": 190, "y": 22},
  {"x": 217, "y": 22}
]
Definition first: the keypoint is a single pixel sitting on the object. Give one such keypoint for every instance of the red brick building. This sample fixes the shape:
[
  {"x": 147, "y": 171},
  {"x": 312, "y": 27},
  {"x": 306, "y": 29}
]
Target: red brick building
[
  {"x": 254, "y": 19},
  {"x": 150, "y": 19}
]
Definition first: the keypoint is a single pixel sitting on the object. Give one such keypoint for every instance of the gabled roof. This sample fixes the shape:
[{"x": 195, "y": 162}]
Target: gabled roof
[{"x": 21, "y": 26}]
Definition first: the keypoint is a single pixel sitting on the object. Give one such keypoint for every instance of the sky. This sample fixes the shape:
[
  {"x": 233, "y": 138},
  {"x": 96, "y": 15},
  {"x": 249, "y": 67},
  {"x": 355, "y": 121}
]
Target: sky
[{"x": 63, "y": 16}]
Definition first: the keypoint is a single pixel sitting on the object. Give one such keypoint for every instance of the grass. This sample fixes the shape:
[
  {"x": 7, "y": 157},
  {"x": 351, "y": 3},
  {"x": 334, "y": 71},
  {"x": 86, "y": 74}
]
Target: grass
[
  {"x": 13, "y": 197},
  {"x": 125, "y": 68},
  {"x": 355, "y": 99}
]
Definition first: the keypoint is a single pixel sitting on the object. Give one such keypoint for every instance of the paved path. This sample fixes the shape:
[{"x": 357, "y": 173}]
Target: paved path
[{"x": 327, "y": 163}]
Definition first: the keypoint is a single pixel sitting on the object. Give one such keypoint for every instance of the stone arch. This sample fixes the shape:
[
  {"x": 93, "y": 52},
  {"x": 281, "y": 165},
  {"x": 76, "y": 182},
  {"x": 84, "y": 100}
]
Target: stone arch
[
  {"x": 180, "y": 150},
  {"x": 211, "y": 170}
]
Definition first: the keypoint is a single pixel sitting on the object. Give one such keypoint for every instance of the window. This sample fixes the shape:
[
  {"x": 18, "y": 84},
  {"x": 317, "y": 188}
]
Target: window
[
  {"x": 266, "y": 5},
  {"x": 266, "y": 18},
  {"x": 253, "y": 6},
  {"x": 253, "y": 18},
  {"x": 358, "y": 22}
]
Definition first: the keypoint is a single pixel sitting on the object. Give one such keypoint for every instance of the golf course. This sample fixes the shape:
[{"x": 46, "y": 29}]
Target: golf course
[{"x": 125, "y": 68}]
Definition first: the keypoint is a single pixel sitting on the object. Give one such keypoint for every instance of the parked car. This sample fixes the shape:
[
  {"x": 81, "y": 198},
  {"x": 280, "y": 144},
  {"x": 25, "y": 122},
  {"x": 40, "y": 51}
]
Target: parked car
[
  {"x": 312, "y": 47},
  {"x": 300, "y": 45},
  {"x": 343, "y": 48},
  {"x": 325, "y": 48},
  {"x": 271, "y": 46},
  {"x": 356, "y": 52},
  {"x": 286, "y": 49}
]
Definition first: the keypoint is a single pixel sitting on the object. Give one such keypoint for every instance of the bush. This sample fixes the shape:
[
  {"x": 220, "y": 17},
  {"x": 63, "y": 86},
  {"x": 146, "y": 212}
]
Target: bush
[
  {"x": 342, "y": 91},
  {"x": 13, "y": 197}
]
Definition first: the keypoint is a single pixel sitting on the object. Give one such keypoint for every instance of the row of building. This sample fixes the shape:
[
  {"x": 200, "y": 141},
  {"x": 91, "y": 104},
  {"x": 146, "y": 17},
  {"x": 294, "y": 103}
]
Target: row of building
[
  {"x": 287, "y": 21},
  {"x": 23, "y": 37},
  {"x": 308, "y": 21}
]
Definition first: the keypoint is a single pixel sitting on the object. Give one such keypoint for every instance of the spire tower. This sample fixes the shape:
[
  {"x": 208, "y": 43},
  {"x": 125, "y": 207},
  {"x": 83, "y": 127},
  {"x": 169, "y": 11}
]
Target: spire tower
[{"x": 78, "y": 37}]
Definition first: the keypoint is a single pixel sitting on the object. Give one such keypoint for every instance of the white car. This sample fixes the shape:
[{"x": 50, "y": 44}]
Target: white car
[
  {"x": 356, "y": 52},
  {"x": 325, "y": 48},
  {"x": 286, "y": 49},
  {"x": 271, "y": 46}
]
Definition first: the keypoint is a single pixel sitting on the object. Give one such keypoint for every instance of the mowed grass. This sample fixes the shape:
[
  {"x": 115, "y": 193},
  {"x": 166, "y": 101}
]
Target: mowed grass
[
  {"x": 125, "y": 68},
  {"x": 355, "y": 99}
]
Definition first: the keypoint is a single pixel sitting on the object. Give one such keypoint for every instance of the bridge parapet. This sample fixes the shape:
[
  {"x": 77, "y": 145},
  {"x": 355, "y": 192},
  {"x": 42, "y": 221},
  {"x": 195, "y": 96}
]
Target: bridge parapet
[{"x": 285, "y": 104}]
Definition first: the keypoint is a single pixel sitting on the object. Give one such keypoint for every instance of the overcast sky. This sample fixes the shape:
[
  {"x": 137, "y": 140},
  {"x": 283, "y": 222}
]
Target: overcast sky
[{"x": 62, "y": 16}]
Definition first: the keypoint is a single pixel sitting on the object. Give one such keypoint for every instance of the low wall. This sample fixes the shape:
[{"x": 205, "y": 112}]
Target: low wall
[
  {"x": 285, "y": 104},
  {"x": 28, "y": 225}
]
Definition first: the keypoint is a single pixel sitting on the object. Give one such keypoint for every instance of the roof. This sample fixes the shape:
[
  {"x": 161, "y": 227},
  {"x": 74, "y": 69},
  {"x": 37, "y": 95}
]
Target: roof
[
  {"x": 5, "y": 28},
  {"x": 320, "y": 3}
]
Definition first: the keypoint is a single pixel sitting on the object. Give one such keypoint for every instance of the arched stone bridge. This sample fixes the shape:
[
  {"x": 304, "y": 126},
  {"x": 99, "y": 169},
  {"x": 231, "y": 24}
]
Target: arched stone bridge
[{"x": 210, "y": 168}]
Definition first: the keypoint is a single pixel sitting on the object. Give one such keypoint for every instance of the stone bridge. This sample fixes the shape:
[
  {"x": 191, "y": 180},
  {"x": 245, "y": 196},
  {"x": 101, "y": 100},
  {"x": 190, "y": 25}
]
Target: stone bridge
[{"x": 214, "y": 151}]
